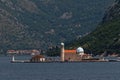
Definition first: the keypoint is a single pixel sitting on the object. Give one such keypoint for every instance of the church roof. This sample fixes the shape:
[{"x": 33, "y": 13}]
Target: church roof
[
  {"x": 70, "y": 51},
  {"x": 38, "y": 56}
]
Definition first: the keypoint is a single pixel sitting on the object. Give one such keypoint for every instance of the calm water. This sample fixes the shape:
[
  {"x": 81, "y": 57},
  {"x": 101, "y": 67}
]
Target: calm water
[{"x": 58, "y": 71}]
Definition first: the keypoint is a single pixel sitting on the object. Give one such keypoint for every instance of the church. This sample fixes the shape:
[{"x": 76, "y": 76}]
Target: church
[{"x": 73, "y": 55}]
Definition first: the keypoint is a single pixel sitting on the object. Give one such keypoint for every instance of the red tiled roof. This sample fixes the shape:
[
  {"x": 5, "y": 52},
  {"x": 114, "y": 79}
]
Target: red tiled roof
[
  {"x": 70, "y": 51},
  {"x": 38, "y": 56},
  {"x": 11, "y": 51}
]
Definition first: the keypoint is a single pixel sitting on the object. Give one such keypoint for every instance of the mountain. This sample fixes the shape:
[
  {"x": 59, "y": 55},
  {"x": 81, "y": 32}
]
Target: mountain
[
  {"x": 40, "y": 24},
  {"x": 106, "y": 37}
]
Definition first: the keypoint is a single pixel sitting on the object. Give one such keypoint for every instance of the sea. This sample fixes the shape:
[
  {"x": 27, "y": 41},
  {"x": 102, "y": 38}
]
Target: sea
[{"x": 58, "y": 71}]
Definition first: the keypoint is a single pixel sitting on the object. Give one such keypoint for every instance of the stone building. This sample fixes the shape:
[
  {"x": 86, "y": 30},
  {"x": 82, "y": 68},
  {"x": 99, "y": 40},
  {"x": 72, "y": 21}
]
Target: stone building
[{"x": 38, "y": 58}]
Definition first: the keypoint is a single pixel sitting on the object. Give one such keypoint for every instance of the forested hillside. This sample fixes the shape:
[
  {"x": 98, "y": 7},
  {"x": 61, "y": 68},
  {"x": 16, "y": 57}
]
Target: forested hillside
[
  {"x": 40, "y": 24},
  {"x": 105, "y": 38}
]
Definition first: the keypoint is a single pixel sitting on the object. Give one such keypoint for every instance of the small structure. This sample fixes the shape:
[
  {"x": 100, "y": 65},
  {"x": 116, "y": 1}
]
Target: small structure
[
  {"x": 37, "y": 58},
  {"x": 13, "y": 58}
]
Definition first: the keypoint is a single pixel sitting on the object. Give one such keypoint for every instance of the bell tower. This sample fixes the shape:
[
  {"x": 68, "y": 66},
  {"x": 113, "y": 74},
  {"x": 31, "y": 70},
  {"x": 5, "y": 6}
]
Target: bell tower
[{"x": 62, "y": 52}]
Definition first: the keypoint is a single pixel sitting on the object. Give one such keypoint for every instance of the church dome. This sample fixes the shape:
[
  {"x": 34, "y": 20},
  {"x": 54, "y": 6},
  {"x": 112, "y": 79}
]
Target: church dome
[{"x": 80, "y": 50}]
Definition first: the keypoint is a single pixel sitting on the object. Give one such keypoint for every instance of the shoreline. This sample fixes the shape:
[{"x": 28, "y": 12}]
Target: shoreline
[{"x": 27, "y": 61}]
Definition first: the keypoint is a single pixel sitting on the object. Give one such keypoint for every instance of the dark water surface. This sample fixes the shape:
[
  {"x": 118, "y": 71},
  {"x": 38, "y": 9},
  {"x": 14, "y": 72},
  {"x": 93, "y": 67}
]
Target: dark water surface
[{"x": 59, "y": 71}]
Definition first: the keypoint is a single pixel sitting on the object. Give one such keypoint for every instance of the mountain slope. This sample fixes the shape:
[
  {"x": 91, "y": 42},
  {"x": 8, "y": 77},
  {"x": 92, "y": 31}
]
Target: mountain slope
[
  {"x": 39, "y": 24},
  {"x": 106, "y": 38}
]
